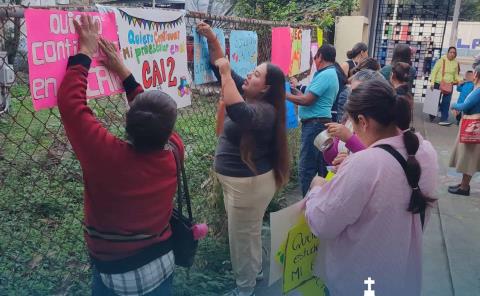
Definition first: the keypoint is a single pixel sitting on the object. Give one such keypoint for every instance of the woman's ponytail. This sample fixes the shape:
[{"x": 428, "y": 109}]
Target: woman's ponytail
[
  {"x": 402, "y": 112},
  {"x": 371, "y": 99},
  {"x": 418, "y": 200}
]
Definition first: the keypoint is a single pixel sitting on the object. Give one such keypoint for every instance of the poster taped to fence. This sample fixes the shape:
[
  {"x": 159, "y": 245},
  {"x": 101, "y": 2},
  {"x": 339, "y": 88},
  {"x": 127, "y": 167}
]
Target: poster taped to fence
[
  {"x": 243, "y": 51},
  {"x": 281, "y": 48},
  {"x": 202, "y": 70},
  {"x": 153, "y": 46},
  {"x": 296, "y": 51},
  {"x": 432, "y": 99},
  {"x": 305, "y": 55},
  {"x": 51, "y": 40}
]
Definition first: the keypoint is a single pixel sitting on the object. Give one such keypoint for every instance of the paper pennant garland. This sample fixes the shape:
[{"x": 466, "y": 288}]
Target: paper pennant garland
[{"x": 146, "y": 23}]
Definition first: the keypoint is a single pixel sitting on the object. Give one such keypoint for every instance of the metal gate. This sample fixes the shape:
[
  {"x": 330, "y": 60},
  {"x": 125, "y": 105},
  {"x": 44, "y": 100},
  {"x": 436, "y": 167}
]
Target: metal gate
[{"x": 421, "y": 25}]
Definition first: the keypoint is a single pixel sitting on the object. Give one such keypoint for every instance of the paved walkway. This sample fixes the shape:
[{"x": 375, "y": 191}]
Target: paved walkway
[{"x": 451, "y": 264}]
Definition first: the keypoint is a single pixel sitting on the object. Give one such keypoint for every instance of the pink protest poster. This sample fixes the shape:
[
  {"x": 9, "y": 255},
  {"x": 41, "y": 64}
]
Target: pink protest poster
[
  {"x": 51, "y": 40},
  {"x": 282, "y": 48}
]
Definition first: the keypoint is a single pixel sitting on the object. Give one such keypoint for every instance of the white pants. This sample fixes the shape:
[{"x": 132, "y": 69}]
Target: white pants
[{"x": 246, "y": 200}]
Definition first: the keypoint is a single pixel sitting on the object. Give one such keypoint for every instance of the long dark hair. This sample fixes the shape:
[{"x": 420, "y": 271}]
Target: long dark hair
[
  {"x": 376, "y": 99},
  {"x": 356, "y": 50},
  {"x": 402, "y": 53},
  {"x": 275, "y": 96},
  {"x": 368, "y": 63}
]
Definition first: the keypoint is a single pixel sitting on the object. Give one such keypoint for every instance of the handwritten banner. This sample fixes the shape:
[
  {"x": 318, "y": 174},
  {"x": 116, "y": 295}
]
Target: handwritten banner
[
  {"x": 243, "y": 51},
  {"x": 51, "y": 41},
  {"x": 300, "y": 252},
  {"x": 201, "y": 61},
  {"x": 153, "y": 47},
  {"x": 305, "y": 53},
  {"x": 282, "y": 48},
  {"x": 296, "y": 51}
]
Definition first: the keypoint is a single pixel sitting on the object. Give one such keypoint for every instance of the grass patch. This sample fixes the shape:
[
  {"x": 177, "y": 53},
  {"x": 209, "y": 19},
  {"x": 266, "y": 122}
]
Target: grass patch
[{"x": 42, "y": 251}]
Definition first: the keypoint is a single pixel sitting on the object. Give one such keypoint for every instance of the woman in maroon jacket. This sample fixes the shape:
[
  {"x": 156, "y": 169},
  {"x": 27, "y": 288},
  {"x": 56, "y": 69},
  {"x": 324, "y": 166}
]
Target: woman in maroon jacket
[{"x": 129, "y": 185}]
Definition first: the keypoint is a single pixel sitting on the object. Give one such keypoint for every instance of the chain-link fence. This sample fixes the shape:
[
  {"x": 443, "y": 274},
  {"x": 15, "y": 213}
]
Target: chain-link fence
[{"x": 41, "y": 192}]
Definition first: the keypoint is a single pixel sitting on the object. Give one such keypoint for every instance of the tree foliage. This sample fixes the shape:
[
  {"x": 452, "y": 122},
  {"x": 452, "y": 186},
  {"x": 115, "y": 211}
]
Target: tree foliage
[
  {"x": 470, "y": 11},
  {"x": 315, "y": 12}
]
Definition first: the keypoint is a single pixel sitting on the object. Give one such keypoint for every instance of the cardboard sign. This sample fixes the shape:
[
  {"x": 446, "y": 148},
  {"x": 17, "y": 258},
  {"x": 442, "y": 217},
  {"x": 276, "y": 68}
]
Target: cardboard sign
[
  {"x": 296, "y": 51},
  {"x": 300, "y": 252},
  {"x": 201, "y": 60},
  {"x": 51, "y": 41},
  {"x": 243, "y": 51},
  {"x": 153, "y": 47},
  {"x": 282, "y": 48}
]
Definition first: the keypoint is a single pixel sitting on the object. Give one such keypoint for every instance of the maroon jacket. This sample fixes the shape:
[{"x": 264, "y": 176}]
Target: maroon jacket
[{"x": 126, "y": 192}]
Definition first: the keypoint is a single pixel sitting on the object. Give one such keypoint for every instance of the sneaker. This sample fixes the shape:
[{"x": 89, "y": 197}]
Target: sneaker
[
  {"x": 444, "y": 123},
  {"x": 459, "y": 191},
  {"x": 236, "y": 292},
  {"x": 260, "y": 276}
]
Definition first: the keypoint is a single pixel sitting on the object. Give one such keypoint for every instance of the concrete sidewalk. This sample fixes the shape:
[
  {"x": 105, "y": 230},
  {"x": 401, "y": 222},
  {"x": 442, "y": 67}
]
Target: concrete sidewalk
[{"x": 451, "y": 260}]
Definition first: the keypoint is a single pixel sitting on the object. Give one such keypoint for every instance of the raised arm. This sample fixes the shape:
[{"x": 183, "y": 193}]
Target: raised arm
[
  {"x": 215, "y": 51},
  {"x": 214, "y": 47},
  {"x": 230, "y": 93},
  {"x": 113, "y": 62},
  {"x": 84, "y": 131}
]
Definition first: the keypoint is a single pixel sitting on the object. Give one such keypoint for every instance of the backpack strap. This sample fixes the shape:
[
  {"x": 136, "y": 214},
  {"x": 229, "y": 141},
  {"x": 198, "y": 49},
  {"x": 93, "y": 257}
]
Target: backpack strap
[
  {"x": 443, "y": 69},
  {"x": 404, "y": 165}
]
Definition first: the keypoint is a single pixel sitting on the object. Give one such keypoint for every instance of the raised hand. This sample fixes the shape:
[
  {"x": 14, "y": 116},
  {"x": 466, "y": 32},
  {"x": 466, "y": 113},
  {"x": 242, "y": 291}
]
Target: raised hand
[
  {"x": 205, "y": 30},
  {"x": 87, "y": 31},
  {"x": 223, "y": 66},
  {"x": 112, "y": 60},
  {"x": 339, "y": 131}
]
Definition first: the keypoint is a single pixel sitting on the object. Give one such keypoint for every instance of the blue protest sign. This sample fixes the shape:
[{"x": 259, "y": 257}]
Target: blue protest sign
[
  {"x": 243, "y": 51},
  {"x": 202, "y": 70}
]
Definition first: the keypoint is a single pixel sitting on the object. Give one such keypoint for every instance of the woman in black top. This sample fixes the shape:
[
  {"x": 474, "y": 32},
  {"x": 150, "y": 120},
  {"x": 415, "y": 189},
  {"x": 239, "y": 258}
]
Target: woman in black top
[
  {"x": 251, "y": 160},
  {"x": 358, "y": 53}
]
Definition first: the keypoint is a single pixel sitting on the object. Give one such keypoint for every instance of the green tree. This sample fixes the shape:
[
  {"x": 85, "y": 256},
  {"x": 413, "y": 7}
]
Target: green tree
[
  {"x": 470, "y": 10},
  {"x": 316, "y": 12}
]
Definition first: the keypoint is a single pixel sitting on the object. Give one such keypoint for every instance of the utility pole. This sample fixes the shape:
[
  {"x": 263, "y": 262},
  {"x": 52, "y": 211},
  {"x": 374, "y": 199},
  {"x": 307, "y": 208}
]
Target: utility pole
[{"x": 454, "y": 31}]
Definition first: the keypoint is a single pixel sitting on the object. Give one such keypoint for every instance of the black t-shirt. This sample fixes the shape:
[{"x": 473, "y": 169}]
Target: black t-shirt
[{"x": 257, "y": 119}]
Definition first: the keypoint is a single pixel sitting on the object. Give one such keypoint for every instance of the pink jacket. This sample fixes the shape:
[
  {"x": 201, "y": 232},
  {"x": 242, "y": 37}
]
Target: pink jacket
[{"x": 365, "y": 229}]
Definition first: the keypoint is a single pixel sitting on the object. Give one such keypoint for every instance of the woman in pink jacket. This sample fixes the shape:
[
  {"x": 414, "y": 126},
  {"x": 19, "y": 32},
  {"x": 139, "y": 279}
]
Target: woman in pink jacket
[{"x": 370, "y": 217}]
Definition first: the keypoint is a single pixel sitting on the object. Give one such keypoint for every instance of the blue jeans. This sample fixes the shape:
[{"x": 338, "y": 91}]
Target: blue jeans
[
  {"x": 445, "y": 106},
  {"x": 99, "y": 288},
  {"x": 311, "y": 160}
]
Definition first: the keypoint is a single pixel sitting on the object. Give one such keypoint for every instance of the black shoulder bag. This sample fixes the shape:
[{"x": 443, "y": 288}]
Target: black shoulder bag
[
  {"x": 184, "y": 245},
  {"x": 403, "y": 163}
]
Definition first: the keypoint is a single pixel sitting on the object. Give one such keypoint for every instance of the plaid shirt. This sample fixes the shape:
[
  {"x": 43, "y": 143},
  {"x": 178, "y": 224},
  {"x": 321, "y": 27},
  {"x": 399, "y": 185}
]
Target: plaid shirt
[{"x": 142, "y": 280}]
